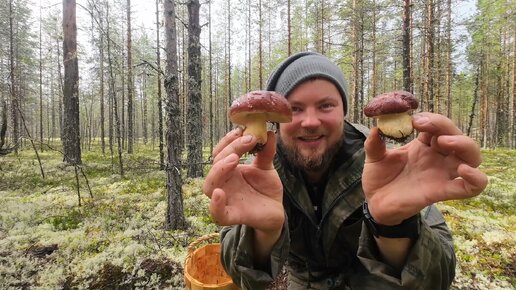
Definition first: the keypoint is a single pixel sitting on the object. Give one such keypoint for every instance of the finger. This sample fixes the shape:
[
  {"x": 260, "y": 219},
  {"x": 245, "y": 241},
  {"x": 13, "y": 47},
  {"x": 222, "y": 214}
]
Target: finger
[
  {"x": 436, "y": 147},
  {"x": 265, "y": 157},
  {"x": 374, "y": 147},
  {"x": 425, "y": 138},
  {"x": 219, "y": 173},
  {"x": 221, "y": 213},
  {"x": 226, "y": 140},
  {"x": 463, "y": 147},
  {"x": 429, "y": 124},
  {"x": 451, "y": 165},
  {"x": 470, "y": 183},
  {"x": 240, "y": 146}
]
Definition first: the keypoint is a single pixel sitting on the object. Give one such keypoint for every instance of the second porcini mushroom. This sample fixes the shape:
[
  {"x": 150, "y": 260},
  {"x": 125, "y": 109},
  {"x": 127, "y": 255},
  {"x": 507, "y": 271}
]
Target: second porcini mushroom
[
  {"x": 393, "y": 113},
  {"x": 254, "y": 109}
]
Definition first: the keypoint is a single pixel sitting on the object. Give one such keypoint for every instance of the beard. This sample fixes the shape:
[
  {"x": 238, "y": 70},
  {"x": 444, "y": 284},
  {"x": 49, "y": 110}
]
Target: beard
[{"x": 314, "y": 163}]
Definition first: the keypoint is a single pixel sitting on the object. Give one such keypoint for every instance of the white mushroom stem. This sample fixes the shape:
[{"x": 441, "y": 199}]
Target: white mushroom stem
[
  {"x": 395, "y": 125},
  {"x": 258, "y": 128}
]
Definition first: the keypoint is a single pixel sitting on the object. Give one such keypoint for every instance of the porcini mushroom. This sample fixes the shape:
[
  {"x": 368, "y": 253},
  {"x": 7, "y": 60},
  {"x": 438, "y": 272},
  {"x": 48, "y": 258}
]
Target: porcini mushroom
[
  {"x": 392, "y": 111},
  {"x": 254, "y": 109}
]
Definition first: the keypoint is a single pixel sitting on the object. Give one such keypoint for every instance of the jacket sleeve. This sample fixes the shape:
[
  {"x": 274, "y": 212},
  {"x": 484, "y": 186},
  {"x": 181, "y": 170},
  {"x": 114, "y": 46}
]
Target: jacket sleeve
[
  {"x": 237, "y": 257},
  {"x": 430, "y": 263}
]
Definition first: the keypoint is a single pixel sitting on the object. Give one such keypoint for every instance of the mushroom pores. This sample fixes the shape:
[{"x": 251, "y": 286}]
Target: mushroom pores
[
  {"x": 393, "y": 113},
  {"x": 254, "y": 109},
  {"x": 395, "y": 126}
]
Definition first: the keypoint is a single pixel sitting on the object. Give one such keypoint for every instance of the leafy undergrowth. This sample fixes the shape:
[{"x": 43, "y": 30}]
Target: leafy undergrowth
[{"x": 117, "y": 239}]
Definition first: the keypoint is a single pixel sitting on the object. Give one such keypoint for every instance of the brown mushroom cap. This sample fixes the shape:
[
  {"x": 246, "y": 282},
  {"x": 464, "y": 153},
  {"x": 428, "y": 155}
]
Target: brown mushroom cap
[
  {"x": 267, "y": 105},
  {"x": 391, "y": 103}
]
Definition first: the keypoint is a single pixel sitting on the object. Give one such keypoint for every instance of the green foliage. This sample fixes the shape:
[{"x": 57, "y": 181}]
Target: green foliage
[
  {"x": 69, "y": 221},
  {"x": 484, "y": 226},
  {"x": 119, "y": 234},
  {"x": 120, "y": 229}
]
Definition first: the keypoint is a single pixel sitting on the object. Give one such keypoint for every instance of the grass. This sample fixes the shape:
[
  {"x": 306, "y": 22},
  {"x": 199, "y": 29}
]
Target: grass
[{"x": 117, "y": 238}]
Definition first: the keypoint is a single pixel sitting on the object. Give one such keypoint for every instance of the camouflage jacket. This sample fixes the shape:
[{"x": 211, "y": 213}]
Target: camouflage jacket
[{"x": 338, "y": 251}]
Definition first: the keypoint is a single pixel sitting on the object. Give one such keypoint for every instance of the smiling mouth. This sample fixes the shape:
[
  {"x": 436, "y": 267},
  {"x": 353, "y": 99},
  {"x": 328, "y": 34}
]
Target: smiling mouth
[{"x": 310, "y": 138}]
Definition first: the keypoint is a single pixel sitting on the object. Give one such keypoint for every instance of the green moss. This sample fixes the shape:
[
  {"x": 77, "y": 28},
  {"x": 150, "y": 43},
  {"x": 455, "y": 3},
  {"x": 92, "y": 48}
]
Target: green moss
[
  {"x": 70, "y": 219},
  {"x": 480, "y": 225},
  {"x": 123, "y": 224}
]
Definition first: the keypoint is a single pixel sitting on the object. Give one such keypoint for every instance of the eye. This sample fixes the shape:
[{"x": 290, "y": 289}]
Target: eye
[
  {"x": 296, "y": 109},
  {"x": 327, "y": 106}
]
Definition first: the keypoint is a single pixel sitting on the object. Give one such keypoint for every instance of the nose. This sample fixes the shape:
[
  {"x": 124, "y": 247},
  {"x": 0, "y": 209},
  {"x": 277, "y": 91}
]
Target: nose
[{"x": 310, "y": 119}]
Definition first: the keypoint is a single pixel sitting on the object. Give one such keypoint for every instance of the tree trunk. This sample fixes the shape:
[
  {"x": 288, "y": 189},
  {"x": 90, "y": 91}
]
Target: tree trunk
[
  {"x": 513, "y": 118},
  {"x": 373, "y": 59},
  {"x": 484, "y": 111},
  {"x": 113, "y": 103},
  {"x": 40, "y": 85},
  {"x": 184, "y": 75},
  {"x": 449, "y": 72},
  {"x": 12, "y": 77},
  {"x": 182, "y": 64},
  {"x": 321, "y": 28},
  {"x": 122, "y": 102},
  {"x": 437, "y": 72},
  {"x": 355, "y": 85},
  {"x": 407, "y": 66},
  {"x": 229, "y": 69},
  {"x": 53, "y": 123},
  {"x": 475, "y": 100},
  {"x": 160, "y": 97},
  {"x": 361, "y": 66},
  {"x": 289, "y": 29},
  {"x": 212, "y": 120},
  {"x": 3, "y": 124},
  {"x": 175, "y": 218},
  {"x": 249, "y": 46},
  {"x": 260, "y": 49},
  {"x": 429, "y": 72},
  {"x": 130, "y": 86},
  {"x": 144, "y": 116},
  {"x": 195, "y": 119},
  {"x": 102, "y": 90},
  {"x": 71, "y": 140},
  {"x": 61, "y": 90}
]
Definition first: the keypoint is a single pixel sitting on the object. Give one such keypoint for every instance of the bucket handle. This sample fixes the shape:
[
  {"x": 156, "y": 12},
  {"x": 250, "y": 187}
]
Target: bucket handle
[{"x": 193, "y": 245}]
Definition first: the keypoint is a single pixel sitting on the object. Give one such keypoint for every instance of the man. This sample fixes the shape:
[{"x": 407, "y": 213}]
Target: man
[{"x": 346, "y": 212}]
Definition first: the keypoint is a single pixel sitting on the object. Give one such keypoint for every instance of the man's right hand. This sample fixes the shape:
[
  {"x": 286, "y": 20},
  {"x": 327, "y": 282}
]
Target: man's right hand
[{"x": 249, "y": 194}]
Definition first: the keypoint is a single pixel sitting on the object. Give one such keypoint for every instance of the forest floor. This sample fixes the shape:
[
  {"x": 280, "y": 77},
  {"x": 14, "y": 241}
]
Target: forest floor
[{"x": 116, "y": 239}]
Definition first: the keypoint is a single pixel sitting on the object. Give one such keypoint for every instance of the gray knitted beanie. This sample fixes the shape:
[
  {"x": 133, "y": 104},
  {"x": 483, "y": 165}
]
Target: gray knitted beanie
[{"x": 303, "y": 66}]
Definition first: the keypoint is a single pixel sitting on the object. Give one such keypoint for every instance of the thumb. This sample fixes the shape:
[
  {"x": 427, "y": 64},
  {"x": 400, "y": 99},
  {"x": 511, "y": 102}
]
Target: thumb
[
  {"x": 374, "y": 147},
  {"x": 265, "y": 157}
]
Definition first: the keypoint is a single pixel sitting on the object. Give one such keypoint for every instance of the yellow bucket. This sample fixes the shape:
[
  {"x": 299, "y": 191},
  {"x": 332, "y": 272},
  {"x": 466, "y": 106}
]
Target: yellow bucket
[{"x": 203, "y": 270}]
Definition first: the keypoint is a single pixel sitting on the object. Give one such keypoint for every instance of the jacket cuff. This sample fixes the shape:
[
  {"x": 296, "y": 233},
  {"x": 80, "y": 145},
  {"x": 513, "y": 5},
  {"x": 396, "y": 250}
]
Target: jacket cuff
[
  {"x": 423, "y": 252},
  {"x": 243, "y": 257}
]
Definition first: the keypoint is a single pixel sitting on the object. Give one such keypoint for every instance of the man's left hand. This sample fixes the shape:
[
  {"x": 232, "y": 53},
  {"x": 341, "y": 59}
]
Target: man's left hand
[{"x": 440, "y": 164}]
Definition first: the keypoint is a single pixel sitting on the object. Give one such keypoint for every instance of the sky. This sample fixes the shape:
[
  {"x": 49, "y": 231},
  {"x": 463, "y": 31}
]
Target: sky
[{"x": 143, "y": 15}]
